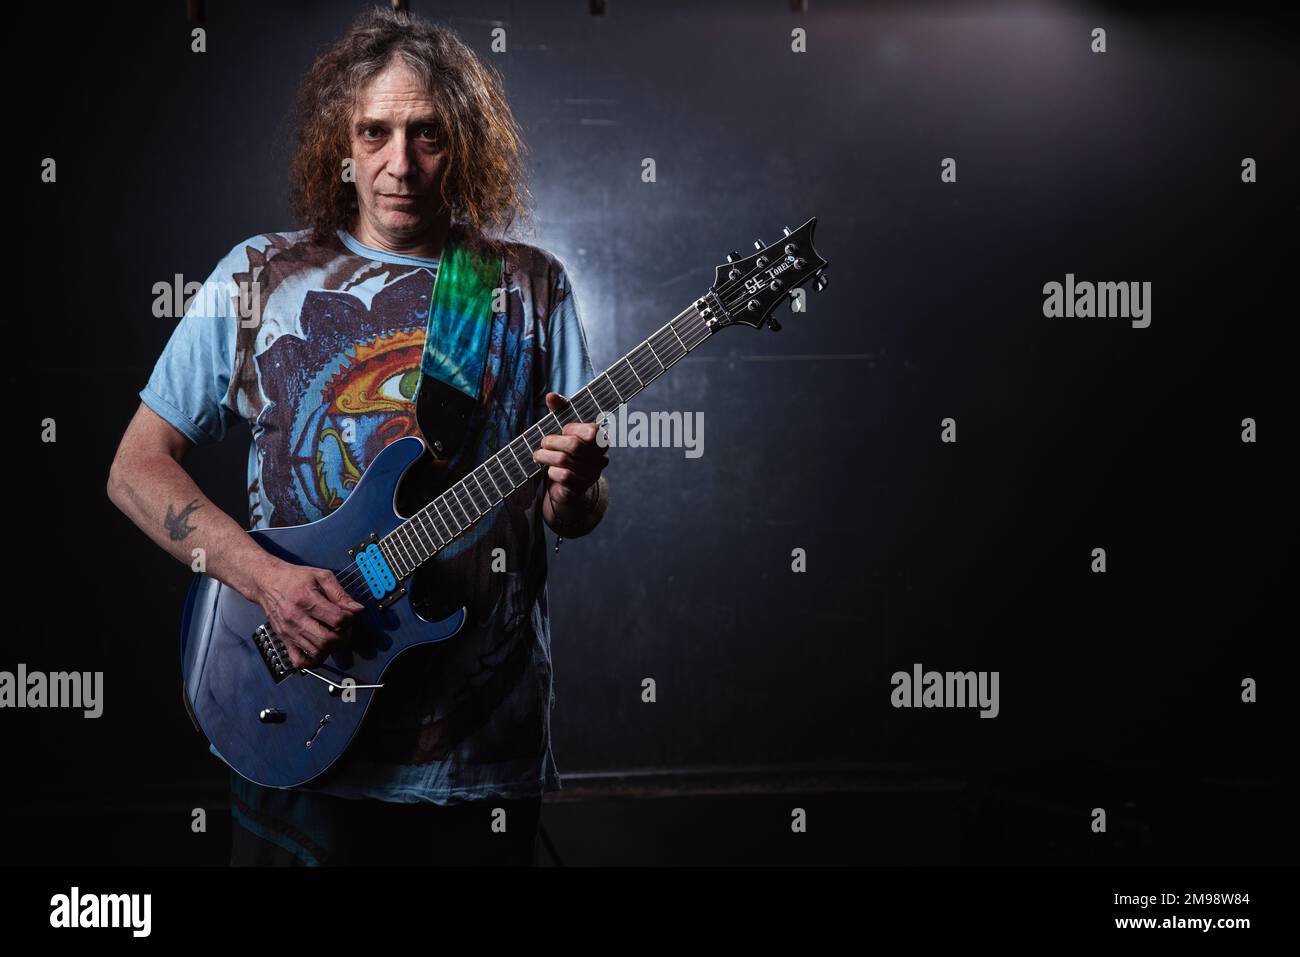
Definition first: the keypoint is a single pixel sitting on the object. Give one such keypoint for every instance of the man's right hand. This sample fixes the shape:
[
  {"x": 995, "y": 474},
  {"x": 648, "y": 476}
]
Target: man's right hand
[{"x": 307, "y": 607}]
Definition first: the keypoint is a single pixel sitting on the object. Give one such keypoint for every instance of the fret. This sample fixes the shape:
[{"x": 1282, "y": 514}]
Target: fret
[
  {"x": 668, "y": 347},
  {"x": 438, "y": 523},
  {"x": 507, "y": 480},
  {"x": 430, "y": 530},
  {"x": 634, "y": 372},
  {"x": 531, "y": 468},
  {"x": 683, "y": 334},
  {"x": 465, "y": 496},
  {"x": 614, "y": 386},
  {"x": 460, "y": 496},
  {"x": 390, "y": 554},
  {"x": 471, "y": 486},
  {"x": 650, "y": 367},
  {"x": 512, "y": 460},
  {"x": 460, "y": 521},
  {"x": 453, "y": 505},
  {"x": 603, "y": 400},
  {"x": 649, "y": 345},
  {"x": 448, "y": 517},
  {"x": 584, "y": 405},
  {"x": 495, "y": 487},
  {"x": 403, "y": 550},
  {"x": 422, "y": 551},
  {"x": 420, "y": 535},
  {"x": 622, "y": 384}
]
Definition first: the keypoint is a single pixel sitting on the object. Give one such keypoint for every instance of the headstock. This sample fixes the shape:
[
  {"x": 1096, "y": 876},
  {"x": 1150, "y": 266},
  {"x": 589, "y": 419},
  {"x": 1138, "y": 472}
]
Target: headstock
[{"x": 749, "y": 289}]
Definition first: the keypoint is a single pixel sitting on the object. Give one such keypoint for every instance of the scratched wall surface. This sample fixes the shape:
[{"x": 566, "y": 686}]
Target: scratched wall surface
[{"x": 1072, "y": 433}]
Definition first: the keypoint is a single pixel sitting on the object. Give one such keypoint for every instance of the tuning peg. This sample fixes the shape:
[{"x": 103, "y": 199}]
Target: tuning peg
[
  {"x": 759, "y": 244},
  {"x": 786, "y": 230},
  {"x": 773, "y": 324},
  {"x": 821, "y": 281},
  {"x": 732, "y": 256}
]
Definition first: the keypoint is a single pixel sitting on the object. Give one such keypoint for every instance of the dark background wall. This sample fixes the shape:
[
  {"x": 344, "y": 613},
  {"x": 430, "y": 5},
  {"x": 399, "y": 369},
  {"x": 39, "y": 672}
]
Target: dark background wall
[{"x": 1072, "y": 434}]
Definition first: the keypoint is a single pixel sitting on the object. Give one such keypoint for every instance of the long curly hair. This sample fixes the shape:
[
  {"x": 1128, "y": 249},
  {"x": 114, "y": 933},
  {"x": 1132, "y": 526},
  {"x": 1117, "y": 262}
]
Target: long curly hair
[{"x": 484, "y": 185}]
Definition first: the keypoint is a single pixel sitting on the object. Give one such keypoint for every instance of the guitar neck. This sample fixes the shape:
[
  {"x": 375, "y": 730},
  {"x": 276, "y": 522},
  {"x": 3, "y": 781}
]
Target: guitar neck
[{"x": 453, "y": 512}]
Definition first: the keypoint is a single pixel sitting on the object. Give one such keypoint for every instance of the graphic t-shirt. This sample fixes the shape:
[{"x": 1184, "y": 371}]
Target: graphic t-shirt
[{"x": 318, "y": 347}]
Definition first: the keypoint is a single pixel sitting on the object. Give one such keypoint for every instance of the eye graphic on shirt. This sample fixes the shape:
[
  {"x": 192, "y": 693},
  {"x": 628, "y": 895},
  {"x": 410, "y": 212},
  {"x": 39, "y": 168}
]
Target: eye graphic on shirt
[
  {"x": 401, "y": 387},
  {"x": 359, "y": 398},
  {"x": 374, "y": 390}
]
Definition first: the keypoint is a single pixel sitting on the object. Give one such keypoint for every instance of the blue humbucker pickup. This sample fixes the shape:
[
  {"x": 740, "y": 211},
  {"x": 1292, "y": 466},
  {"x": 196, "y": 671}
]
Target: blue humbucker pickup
[{"x": 374, "y": 566}]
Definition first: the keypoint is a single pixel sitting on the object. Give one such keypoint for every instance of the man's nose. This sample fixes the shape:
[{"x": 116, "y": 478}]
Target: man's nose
[{"x": 399, "y": 162}]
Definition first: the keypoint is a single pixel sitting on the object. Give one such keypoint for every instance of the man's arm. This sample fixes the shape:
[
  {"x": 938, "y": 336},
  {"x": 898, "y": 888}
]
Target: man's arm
[
  {"x": 578, "y": 515},
  {"x": 306, "y": 606}
]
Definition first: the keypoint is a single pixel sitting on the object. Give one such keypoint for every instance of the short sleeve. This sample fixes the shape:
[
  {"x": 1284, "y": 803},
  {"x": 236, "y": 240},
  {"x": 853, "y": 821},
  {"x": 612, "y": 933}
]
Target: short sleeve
[
  {"x": 191, "y": 379},
  {"x": 570, "y": 362}
]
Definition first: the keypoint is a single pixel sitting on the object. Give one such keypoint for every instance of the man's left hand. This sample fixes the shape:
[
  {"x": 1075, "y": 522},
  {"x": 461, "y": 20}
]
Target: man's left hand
[{"x": 574, "y": 460}]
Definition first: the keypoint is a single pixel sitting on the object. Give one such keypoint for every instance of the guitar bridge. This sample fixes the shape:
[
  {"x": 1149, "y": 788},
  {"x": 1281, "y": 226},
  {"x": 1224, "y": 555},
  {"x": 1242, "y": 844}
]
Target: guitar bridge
[{"x": 274, "y": 654}]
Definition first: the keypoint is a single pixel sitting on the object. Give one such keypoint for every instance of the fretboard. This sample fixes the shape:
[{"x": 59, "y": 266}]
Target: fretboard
[{"x": 453, "y": 512}]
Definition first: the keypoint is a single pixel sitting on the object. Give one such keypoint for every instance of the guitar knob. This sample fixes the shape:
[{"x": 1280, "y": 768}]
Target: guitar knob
[
  {"x": 759, "y": 244},
  {"x": 732, "y": 256},
  {"x": 821, "y": 282},
  {"x": 786, "y": 230},
  {"x": 773, "y": 324}
]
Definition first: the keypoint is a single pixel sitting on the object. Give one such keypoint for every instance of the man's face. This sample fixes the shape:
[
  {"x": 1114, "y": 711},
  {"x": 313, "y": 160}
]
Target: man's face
[{"x": 399, "y": 162}]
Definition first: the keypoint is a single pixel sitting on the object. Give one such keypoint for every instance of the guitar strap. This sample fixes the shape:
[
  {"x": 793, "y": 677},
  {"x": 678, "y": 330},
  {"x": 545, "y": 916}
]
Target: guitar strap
[
  {"x": 453, "y": 363},
  {"x": 460, "y": 317}
]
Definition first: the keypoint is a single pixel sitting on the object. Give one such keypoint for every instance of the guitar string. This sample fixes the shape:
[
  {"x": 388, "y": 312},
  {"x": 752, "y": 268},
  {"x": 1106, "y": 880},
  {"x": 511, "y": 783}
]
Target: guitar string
[
  {"x": 622, "y": 381},
  {"x": 406, "y": 537},
  {"x": 420, "y": 521},
  {"x": 407, "y": 540}
]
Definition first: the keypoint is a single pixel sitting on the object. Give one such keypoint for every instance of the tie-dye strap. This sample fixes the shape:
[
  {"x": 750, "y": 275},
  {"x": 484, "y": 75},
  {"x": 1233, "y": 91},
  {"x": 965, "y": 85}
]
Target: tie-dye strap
[{"x": 460, "y": 317}]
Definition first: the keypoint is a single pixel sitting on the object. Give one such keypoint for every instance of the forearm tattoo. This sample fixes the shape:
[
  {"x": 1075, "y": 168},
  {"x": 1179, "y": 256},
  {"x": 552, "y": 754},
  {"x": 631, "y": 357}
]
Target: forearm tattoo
[{"x": 176, "y": 524}]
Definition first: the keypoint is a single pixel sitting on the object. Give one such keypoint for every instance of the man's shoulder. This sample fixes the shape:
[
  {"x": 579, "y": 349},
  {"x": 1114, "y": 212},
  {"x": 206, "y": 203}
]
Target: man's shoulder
[
  {"x": 260, "y": 249},
  {"x": 526, "y": 260}
]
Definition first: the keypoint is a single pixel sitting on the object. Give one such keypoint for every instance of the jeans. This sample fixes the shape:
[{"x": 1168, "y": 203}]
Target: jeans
[{"x": 287, "y": 828}]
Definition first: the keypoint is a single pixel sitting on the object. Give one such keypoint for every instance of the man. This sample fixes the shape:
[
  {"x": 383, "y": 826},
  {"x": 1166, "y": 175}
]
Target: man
[{"x": 408, "y": 161}]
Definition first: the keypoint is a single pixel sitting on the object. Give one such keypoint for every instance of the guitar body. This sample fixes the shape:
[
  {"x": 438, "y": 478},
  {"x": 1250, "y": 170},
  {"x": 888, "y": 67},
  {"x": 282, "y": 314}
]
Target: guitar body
[{"x": 285, "y": 733}]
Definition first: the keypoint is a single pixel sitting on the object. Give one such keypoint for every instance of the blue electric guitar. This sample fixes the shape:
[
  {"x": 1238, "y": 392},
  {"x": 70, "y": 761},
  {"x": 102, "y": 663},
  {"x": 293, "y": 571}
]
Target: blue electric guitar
[{"x": 282, "y": 727}]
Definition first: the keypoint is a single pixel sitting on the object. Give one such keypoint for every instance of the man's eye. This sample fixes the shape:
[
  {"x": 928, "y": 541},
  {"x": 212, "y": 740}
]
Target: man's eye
[
  {"x": 429, "y": 132},
  {"x": 370, "y": 132}
]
